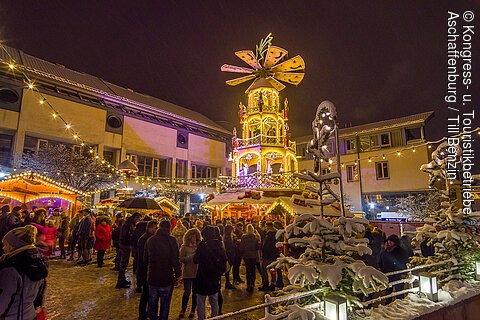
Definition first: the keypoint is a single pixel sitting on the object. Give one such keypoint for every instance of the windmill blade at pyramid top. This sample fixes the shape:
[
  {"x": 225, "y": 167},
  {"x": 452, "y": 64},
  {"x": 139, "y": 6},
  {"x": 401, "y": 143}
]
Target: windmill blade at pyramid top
[
  {"x": 291, "y": 77},
  {"x": 274, "y": 54},
  {"x": 276, "y": 84},
  {"x": 249, "y": 57},
  {"x": 236, "y": 81},
  {"x": 230, "y": 68},
  {"x": 294, "y": 64}
]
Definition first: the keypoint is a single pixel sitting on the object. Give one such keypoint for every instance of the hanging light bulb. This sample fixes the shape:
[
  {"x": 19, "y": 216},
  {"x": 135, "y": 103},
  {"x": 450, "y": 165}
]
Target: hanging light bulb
[
  {"x": 54, "y": 115},
  {"x": 383, "y": 156},
  {"x": 11, "y": 66},
  {"x": 413, "y": 150},
  {"x": 369, "y": 159},
  {"x": 398, "y": 153}
]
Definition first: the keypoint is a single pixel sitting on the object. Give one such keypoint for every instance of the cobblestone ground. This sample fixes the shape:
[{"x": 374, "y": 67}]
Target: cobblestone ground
[{"x": 76, "y": 292}]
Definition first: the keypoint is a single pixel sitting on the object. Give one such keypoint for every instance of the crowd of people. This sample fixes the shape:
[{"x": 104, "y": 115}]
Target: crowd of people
[{"x": 166, "y": 251}]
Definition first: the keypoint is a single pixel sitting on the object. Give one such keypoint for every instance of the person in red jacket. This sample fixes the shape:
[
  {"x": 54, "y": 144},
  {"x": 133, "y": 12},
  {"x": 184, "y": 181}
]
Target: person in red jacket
[
  {"x": 103, "y": 238},
  {"x": 50, "y": 233}
]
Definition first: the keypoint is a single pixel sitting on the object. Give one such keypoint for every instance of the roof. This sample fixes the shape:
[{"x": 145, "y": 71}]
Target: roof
[
  {"x": 61, "y": 75},
  {"x": 419, "y": 118}
]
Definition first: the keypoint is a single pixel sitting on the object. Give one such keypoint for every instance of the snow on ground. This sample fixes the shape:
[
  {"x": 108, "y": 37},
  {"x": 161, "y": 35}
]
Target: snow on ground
[
  {"x": 77, "y": 293},
  {"x": 413, "y": 305}
]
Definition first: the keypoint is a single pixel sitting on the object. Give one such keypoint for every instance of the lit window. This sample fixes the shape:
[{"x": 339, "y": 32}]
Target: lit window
[
  {"x": 382, "y": 170},
  {"x": 352, "y": 173},
  {"x": 350, "y": 145}
]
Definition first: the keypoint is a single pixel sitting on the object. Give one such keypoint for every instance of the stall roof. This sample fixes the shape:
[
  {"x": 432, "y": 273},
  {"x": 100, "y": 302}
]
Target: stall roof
[
  {"x": 232, "y": 197},
  {"x": 288, "y": 204},
  {"x": 28, "y": 186}
]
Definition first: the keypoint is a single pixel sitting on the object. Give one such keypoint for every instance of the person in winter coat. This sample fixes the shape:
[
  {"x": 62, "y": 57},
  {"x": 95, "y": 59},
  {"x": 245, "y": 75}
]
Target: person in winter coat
[
  {"x": 189, "y": 269},
  {"x": 179, "y": 231},
  {"x": 152, "y": 227},
  {"x": 393, "y": 258},
  {"x": 117, "y": 228},
  {"x": 249, "y": 247},
  {"x": 73, "y": 238},
  {"x": 23, "y": 271},
  {"x": 211, "y": 259},
  {"x": 103, "y": 238},
  {"x": 50, "y": 233},
  {"x": 85, "y": 232},
  {"x": 126, "y": 243},
  {"x": 237, "y": 236},
  {"x": 63, "y": 232},
  {"x": 140, "y": 229},
  {"x": 163, "y": 270},
  {"x": 229, "y": 245},
  {"x": 269, "y": 255}
]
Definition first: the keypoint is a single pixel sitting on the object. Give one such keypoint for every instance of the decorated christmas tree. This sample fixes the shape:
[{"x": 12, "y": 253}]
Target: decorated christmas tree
[
  {"x": 448, "y": 233},
  {"x": 323, "y": 254}
]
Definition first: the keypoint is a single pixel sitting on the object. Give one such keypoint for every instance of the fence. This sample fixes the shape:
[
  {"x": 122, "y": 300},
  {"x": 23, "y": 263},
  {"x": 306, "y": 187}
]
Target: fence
[
  {"x": 259, "y": 180},
  {"x": 272, "y": 301}
]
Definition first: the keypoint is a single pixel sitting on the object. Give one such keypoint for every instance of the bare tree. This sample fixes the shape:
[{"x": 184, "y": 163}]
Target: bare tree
[
  {"x": 420, "y": 206},
  {"x": 81, "y": 171}
]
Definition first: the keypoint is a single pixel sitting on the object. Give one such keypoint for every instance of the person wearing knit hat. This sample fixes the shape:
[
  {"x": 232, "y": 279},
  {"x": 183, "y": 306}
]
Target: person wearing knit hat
[
  {"x": 393, "y": 258},
  {"x": 23, "y": 271}
]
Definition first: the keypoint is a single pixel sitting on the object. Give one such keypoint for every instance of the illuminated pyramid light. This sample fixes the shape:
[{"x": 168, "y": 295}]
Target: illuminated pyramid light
[{"x": 264, "y": 156}]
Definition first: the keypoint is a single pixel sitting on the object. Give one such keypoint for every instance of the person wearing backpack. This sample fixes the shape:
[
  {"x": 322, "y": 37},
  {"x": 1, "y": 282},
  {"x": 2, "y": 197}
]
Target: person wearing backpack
[
  {"x": 212, "y": 264},
  {"x": 23, "y": 271}
]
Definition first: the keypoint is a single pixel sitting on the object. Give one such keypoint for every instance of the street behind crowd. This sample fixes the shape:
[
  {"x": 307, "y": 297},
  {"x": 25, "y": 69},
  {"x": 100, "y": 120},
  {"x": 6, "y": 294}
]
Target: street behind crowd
[{"x": 87, "y": 292}]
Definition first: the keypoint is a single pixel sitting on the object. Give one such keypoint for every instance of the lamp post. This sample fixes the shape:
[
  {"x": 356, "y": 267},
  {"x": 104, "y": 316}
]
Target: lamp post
[{"x": 128, "y": 168}]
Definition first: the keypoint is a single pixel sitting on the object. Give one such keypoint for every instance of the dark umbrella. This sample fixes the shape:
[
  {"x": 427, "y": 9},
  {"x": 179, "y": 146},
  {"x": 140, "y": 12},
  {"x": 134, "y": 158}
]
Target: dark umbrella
[{"x": 140, "y": 203}]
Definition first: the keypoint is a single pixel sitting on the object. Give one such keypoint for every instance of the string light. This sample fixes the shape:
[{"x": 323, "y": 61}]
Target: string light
[
  {"x": 68, "y": 126},
  {"x": 398, "y": 153},
  {"x": 54, "y": 115},
  {"x": 11, "y": 66}
]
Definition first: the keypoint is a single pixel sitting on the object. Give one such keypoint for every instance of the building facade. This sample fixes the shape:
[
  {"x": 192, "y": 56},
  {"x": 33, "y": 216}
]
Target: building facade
[
  {"x": 380, "y": 162},
  {"x": 164, "y": 140}
]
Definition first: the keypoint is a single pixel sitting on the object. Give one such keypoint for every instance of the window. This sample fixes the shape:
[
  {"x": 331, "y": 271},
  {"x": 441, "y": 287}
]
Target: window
[
  {"x": 77, "y": 149},
  {"x": 199, "y": 172},
  {"x": 109, "y": 156},
  {"x": 385, "y": 139},
  {"x": 6, "y": 141},
  {"x": 350, "y": 145},
  {"x": 301, "y": 150},
  {"x": 155, "y": 168},
  {"x": 352, "y": 173},
  {"x": 181, "y": 169},
  {"x": 382, "y": 170},
  {"x": 412, "y": 134}
]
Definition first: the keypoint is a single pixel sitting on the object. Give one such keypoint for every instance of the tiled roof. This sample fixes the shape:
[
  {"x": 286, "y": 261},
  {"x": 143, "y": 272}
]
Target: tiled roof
[
  {"x": 61, "y": 75},
  {"x": 419, "y": 118}
]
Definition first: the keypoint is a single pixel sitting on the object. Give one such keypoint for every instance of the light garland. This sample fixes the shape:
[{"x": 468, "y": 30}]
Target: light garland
[
  {"x": 56, "y": 115},
  {"x": 413, "y": 148},
  {"x": 46, "y": 180}
]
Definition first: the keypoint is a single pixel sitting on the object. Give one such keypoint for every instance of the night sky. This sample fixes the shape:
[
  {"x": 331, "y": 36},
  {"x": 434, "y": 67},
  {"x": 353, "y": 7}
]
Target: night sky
[{"x": 374, "y": 59}]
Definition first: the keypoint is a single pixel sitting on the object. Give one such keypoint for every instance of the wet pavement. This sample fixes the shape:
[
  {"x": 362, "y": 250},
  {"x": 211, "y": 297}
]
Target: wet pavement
[{"x": 88, "y": 292}]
